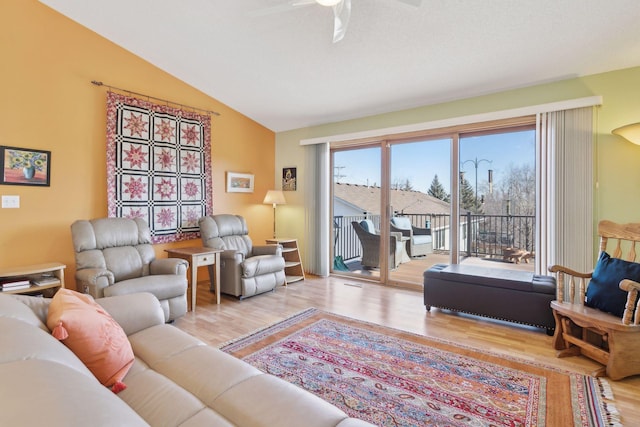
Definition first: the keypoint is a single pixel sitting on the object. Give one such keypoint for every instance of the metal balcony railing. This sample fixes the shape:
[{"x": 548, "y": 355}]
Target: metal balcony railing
[{"x": 480, "y": 235}]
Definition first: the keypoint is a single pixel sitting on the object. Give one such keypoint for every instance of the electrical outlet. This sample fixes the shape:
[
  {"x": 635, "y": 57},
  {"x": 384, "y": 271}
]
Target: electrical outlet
[{"x": 11, "y": 202}]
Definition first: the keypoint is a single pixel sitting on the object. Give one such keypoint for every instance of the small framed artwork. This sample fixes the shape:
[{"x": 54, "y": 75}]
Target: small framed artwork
[
  {"x": 289, "y": 179},
  {"x": 239, "y": 182},
  {"x": 24, "y": 166}
]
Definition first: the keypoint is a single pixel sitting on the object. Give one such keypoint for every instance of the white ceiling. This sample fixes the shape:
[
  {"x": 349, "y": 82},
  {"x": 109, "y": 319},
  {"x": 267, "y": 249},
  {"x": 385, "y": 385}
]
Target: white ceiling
[{"x": 279, "y": 66}]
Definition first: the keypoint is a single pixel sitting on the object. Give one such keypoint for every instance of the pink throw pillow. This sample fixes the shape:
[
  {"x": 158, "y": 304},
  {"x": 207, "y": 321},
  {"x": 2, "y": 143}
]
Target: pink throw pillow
[{"x": 93, "y": 336}]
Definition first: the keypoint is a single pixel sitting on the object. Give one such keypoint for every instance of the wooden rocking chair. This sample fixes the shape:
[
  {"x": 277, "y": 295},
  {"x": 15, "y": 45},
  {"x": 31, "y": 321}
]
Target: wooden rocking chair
[{"x": 608, "y": 339}]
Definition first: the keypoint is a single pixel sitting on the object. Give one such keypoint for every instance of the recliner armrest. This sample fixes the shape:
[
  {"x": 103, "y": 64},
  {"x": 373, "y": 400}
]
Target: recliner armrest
[
  {"x": 177, "y": 266},
  {"x": 232, "y": 254},
  {"x": 93, "y": 280},
  {"x": 267, "y": 250}
]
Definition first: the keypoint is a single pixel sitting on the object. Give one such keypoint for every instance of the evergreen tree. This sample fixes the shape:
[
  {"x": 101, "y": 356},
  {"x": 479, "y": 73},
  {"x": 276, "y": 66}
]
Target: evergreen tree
[
  {"x": 437, "y": 190},
  {"x": 468, "y": 197}
]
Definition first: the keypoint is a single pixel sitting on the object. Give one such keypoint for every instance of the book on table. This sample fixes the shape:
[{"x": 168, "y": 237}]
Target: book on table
[
  {"x": 43, "y": 279},
  {"x": 11, "y": 282},
  {"x": 15, "y": 284}
]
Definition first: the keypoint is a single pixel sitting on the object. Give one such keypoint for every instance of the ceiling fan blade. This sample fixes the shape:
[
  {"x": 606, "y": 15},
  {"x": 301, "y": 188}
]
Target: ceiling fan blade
[
  {"x": 341, "y": 15},
  {"x": 287, "y": 6},
  {"x": 414, "y": 3}
]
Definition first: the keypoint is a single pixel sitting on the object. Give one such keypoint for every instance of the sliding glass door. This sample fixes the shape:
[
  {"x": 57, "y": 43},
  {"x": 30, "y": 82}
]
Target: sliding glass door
[
  {"x": 419, "y": 206},
  {"x": 497, "y": 197},
  {"x": 460, "y": 195},
  {"x": 356, "y": 216}
]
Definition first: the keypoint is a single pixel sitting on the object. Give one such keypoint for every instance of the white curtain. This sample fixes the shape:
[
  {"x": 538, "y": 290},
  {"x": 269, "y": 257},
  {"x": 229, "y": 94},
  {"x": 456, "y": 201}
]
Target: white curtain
[
  {"x": 565, "y": 189},
  {"x": 317, "y": 212}
]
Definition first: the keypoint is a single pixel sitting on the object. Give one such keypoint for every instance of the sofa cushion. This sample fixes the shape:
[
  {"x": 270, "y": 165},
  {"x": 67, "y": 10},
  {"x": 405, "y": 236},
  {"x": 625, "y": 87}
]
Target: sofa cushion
[
  {"x": 603, "y": 291},
  {"x": 15, "y": 306},
  {"x": 162, "y": 286},
  {"x": 47, "y": 393},
  {"x": 92, "y": 334}
]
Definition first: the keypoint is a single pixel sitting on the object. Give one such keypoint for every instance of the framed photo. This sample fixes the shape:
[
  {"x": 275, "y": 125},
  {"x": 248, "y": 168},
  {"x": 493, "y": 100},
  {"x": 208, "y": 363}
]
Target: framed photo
[
  {"x": 239, "y": 182},
  {"x": 24, "y": 166},
  {"x": 289, "y": 179}
]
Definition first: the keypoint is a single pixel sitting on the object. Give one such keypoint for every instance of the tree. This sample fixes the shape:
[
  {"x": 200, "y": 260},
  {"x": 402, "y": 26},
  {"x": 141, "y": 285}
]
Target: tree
[
  {"x": 437, "y": 190},
  {"x": 517, "y": 190},
  {"x": 402, "y": 185},
  {"x": 468, "y": 197}
]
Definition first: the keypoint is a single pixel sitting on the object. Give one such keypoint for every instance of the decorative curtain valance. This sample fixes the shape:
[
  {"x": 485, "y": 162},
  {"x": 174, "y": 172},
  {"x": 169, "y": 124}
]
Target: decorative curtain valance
[{"x": 158, "y": 166}]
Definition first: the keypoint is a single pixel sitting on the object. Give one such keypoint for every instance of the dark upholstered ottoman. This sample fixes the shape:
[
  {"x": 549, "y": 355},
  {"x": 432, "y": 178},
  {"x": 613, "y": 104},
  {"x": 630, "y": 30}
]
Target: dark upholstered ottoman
[{"x": 515, "y": 296}]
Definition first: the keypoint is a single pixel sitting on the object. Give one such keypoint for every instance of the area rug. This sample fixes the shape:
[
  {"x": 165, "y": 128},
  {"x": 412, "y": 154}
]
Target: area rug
[{"x": 393, "y": 378}]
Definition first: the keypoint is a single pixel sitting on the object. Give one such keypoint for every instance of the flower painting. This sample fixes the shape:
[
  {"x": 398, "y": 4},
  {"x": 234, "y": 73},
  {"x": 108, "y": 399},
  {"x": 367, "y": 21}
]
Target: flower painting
[{"x": 24, "y": 166}]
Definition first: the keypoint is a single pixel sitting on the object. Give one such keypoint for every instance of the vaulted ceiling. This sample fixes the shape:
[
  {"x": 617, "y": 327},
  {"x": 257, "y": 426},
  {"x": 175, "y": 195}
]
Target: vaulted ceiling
[{"x": 276, "y": 63}]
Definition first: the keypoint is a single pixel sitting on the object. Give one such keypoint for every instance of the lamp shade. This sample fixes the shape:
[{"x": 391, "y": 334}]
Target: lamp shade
[
  {"x": 629, "y": 132},
  {"x": 274, "y": 197}
]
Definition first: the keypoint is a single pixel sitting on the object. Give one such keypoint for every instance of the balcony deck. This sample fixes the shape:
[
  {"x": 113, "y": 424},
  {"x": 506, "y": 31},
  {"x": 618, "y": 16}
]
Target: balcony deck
[{"x": 411, "y": 272}]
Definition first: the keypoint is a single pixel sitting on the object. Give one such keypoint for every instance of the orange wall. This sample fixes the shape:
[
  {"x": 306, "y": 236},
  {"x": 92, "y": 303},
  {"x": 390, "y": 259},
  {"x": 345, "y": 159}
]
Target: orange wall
[{"x": 47, "y": 102}]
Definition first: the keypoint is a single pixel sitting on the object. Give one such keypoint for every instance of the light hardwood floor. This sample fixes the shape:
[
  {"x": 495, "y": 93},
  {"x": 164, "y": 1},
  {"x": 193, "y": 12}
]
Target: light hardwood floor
[{"x": 393, "y": 307}]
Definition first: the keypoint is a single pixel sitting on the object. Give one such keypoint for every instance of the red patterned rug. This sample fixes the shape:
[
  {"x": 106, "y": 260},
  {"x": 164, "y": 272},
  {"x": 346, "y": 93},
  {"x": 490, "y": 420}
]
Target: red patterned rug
[{"x": 394, "y": 378}]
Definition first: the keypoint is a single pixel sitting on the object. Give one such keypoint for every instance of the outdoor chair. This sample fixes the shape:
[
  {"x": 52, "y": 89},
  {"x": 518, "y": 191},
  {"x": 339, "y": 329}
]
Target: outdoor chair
[
  {"x": 370, "y": 242},
  {"x": 597, "y": 313},
  {"x": 420, "y": 240}
]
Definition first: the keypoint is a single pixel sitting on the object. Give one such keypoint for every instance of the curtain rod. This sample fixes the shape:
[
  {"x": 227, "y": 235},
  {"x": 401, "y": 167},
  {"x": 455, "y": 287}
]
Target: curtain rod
[{"x": 97, "y": 83}]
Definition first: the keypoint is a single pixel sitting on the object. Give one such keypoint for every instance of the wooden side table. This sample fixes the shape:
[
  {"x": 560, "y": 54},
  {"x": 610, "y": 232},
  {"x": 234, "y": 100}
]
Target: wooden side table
[
  {"x": 42, "y": 276},
  {"x": 197, "y": 257},
  {"x": 292, "y": 263}
]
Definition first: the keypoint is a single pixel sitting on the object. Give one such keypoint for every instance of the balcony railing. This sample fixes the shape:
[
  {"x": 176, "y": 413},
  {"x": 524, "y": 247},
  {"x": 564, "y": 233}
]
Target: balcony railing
[{"x": 480, "y": 235}]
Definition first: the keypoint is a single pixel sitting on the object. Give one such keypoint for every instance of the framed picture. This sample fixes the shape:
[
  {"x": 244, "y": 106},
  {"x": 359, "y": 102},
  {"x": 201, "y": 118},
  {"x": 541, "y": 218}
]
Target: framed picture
[
  {"x": 24, "y": 166},
  {"x": 239, "y": 182},
  {"x": 289, "y": 179}
]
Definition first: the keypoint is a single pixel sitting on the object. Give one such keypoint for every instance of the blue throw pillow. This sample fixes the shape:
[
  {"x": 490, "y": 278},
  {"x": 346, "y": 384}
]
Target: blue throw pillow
[{"x": 603, "y": 291}]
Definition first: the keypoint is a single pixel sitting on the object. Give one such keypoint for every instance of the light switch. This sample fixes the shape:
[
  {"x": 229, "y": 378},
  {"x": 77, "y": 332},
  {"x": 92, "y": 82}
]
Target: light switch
[{"x": 11, "y": 202}]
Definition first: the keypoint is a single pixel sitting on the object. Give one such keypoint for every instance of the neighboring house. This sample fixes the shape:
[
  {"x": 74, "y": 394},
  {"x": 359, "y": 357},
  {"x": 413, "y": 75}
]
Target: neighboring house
[{"x": 354, "y": 199}]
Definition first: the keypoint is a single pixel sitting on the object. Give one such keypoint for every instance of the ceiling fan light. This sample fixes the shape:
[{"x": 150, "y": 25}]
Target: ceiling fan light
[{"x": 328, "y": 3}]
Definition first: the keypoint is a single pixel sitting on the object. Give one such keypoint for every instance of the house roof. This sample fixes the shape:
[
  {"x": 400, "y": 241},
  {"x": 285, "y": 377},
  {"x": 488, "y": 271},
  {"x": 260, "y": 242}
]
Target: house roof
[
  {"x": 274, "y": 60},
  {"x": 408, "y": 202}
]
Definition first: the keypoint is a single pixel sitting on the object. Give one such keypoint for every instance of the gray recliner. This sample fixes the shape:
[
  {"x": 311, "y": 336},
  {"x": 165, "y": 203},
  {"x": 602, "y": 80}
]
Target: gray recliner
[
  {"x": 245, "y": 269},
  {"x": 114, "y": 256}
]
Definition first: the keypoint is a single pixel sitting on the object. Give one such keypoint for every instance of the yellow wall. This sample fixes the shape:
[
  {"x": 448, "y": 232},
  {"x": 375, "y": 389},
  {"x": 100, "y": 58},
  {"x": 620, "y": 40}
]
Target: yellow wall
[
  {"x": 48, "y": 103},
  {"x": 617, "y": 161}
]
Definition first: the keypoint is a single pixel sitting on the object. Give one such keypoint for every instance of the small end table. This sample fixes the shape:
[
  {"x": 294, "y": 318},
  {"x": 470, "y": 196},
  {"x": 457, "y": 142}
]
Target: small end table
[{"x": 197, "y": 257}]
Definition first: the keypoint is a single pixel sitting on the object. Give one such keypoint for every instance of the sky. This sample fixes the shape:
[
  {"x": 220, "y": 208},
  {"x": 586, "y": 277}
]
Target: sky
[{"x": 419, "y": 162}]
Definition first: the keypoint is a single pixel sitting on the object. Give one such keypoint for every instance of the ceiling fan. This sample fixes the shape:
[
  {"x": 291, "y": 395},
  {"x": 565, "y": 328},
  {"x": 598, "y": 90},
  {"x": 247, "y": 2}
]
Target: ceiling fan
[{"x": 341, "y": 12}]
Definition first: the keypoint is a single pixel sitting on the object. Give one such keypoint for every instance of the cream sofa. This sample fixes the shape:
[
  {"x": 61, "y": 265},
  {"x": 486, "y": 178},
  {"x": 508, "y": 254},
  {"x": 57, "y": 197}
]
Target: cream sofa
[{"x": 176, "y": 380}]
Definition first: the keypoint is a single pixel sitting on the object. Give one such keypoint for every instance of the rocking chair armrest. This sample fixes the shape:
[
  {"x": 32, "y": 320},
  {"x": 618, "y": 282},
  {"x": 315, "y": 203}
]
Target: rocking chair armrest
[
  {"x": 561, "y": 269},
  {"x": 629, "y": 285},
  {"x": 631, "y": 314}
]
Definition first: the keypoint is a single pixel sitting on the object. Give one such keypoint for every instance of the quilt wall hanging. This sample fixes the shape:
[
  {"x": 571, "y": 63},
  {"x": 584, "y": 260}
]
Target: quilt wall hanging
[{"x": 158, "y": 166}]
